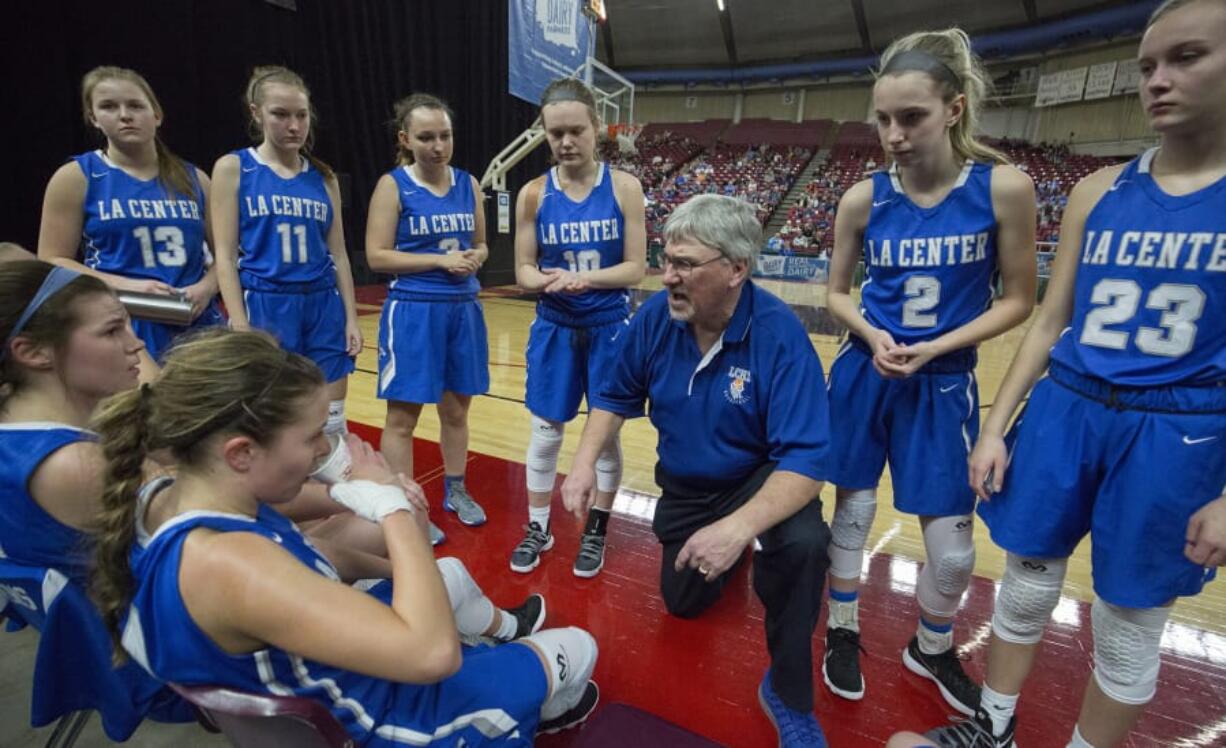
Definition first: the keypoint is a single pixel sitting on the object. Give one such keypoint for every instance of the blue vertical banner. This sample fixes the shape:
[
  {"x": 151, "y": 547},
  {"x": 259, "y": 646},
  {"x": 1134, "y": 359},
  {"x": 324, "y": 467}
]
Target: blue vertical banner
[{"x": 549, "y": 39}]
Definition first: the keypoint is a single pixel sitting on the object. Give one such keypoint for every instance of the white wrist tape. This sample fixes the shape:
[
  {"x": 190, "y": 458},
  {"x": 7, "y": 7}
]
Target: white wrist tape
[{"x": 370, "y": 500}]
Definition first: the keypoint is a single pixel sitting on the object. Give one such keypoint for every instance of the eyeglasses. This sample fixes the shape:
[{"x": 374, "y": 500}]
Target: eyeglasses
[{"x": 683, "y": 267}]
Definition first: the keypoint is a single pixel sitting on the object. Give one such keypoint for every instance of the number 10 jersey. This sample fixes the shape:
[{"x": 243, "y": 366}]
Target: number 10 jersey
[
  {"x": 1150, "y": 297},
  {"x": 581, "y": 236}
]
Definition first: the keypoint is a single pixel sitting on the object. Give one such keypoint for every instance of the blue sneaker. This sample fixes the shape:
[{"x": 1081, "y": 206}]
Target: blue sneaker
[
  {"x": 458, "y": 500},
  {"x": 796, "y": 729}
]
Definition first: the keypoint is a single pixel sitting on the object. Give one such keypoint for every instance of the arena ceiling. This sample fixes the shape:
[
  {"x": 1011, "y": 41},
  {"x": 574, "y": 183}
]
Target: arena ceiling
[{"x": 661, "y": 34}]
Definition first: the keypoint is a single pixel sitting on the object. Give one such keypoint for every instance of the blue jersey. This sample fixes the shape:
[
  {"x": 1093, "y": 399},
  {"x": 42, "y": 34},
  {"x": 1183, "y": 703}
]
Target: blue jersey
[
  {"x": 496, "y": 696},
  {"x": 430, "y": 224},
  {"x": 138, "y": 228},
  {"x": 28, "y": 534},
  {"x": 1149, "y": 304},
  {"x": 929, "y": 270},
  {"x": 581, "y": 236},
  {"x": 283, "y": 226}
]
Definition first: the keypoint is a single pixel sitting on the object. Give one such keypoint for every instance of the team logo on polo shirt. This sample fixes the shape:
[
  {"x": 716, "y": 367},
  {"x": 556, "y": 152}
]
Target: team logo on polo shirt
[{"x": 738, "y": 380}]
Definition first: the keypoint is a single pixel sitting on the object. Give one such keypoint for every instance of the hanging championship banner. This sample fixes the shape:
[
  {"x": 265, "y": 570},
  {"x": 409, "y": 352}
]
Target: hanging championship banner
[
  {"x": 1099, "y": 81},
  {"x": 548, "y": 40}
]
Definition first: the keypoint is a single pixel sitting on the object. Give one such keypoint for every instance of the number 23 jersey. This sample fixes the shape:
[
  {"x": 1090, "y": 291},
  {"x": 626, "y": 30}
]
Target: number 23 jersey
[{"x": 1150, "y": 296}]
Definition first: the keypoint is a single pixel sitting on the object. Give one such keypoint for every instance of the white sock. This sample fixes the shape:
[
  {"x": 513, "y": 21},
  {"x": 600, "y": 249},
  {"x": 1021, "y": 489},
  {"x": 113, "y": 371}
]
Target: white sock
[
  {"x": 844, "y": 615},
  {"x": 539, "y": 515},
  {"x": 1077, "y": 741},
  {"x": 506, "y": 627},
  {"x": 934, "y": 642},
  {"x": 1000, "y": 708}
]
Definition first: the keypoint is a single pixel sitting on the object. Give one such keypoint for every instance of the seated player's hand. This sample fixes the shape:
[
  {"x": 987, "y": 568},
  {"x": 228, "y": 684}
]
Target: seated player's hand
[
  {"x": 1207, "y": 534},
  {"x": 986, "y": 465},
  {"x": 715, "y": 548},
  {"x": 417, "y": 500},
  {"x": 366, "y": 463},
  {"x": 370, "y": 500},
  {"x": 579, "y": 490}
]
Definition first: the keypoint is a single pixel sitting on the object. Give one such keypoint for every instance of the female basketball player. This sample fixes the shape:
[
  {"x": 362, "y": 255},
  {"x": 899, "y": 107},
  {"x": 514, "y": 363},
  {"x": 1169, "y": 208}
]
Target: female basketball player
[
  {"x": 221, "y": 574},
  {"x": 426, "y": 227},
  {"x": 1132, "y": 336},
  {"x": 67, "y": 345},
  {"x": 280, "y": 248},
  {"x": 136, "y": 208},
  {"x": 934, "y": 232},
  {"x": 580, "y": 243}
]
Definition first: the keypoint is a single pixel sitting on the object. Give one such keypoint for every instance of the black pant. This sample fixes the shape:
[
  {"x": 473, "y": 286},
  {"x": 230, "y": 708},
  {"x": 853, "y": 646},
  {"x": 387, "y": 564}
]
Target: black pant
[{"x": 788, "y": 573}]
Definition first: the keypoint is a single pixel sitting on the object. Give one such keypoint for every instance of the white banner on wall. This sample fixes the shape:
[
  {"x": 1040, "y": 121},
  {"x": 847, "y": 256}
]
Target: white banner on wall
[
  {"x": 1127, "y": 78},
  {"x": 1100, "y": 80},
  {"x": 1061, "y": 87}
]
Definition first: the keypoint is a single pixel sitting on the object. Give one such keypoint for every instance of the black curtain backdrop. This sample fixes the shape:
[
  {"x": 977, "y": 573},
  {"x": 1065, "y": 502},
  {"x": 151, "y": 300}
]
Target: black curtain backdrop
[{"x": 357, "y": 57}]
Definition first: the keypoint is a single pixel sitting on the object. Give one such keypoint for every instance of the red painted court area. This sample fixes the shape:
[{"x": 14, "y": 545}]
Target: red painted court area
[{"x": 703, "y": 674}]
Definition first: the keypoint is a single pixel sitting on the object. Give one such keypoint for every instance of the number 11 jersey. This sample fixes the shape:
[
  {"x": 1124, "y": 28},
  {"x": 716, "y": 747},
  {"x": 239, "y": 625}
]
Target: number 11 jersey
[
  {"x": 1149, "y": 303},
  {"x": 283, "y": 225}
]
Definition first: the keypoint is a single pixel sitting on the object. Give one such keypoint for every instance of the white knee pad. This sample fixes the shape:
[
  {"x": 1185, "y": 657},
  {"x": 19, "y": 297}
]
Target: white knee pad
[
  {"x": 571, "y": 653},
  {"x": 853, "y": 518},
  {"x": 543, "y": 446},
  {"x": 472, "y": 609},
  {"x": 609, "y": 466},
  {"x": 1126, "y": 644},
  {"x": 1028, "y": 594},
  {"x": 950, "y": 545},
  {"x": 336, "y": 418}
]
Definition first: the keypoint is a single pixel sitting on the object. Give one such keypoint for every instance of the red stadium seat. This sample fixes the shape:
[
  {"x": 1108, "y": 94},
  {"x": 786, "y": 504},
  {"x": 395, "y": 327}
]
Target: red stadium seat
[{"x": 258, "y": 721}]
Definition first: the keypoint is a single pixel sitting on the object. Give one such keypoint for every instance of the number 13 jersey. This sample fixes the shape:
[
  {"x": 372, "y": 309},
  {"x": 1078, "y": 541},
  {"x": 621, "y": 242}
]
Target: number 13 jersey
[
  {"x": 283, "y": 223},
  {"x": 1149, "y": 303},
  {"x": 138, "y": 228},
  {"x": 581, "y": 236},
  {"x": 929, "y": 270}
]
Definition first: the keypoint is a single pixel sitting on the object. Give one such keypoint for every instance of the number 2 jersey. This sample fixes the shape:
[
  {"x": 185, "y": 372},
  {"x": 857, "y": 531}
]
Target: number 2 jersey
[
  {"x": 283, "y": 226},
  {"x": 581, "y": 236},
  {"x": 1149, "y": 303},
  {"x": 434, "y": 224},
  {"x": 929, "y": 270},
  {"x": 138, "y": 228}
]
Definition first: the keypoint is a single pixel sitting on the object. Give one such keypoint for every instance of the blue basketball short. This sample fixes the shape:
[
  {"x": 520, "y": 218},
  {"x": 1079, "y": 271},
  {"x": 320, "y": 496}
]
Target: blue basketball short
[
  {"x": 311, "y": 323},
  {"x": 924, "y": 426},
  {"x": 1129, "y": 466},
  {"x": 428, "y": 347},
  {"x": 566, "y": 363},
  {"x": 158, "y": 336}
]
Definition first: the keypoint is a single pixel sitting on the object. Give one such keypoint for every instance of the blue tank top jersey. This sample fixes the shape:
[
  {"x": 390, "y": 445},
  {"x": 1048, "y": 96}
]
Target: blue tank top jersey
[
  {"x": 28, "y": 534},
  {"x": 161, "y": 635},
  {"x": 929, "y": 270},
  {"x": 587, "y": 235},
  {"x": 283, "y": 226},
  {"x": 1149, "y": 303},
  {"x": 138, "y": 228},
  {"x": 430, "y": 224}
]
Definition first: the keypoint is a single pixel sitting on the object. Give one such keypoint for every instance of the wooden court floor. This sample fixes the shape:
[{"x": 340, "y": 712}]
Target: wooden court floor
[{"x": 498, "y": 424}]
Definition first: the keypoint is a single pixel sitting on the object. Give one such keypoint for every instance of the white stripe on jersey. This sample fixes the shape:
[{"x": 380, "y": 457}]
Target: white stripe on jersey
[{"x": 389, "y": 371}]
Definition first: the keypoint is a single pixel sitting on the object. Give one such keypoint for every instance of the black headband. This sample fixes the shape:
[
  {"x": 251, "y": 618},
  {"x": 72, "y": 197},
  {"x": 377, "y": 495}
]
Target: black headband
[{"x": 923, "y": 62}]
